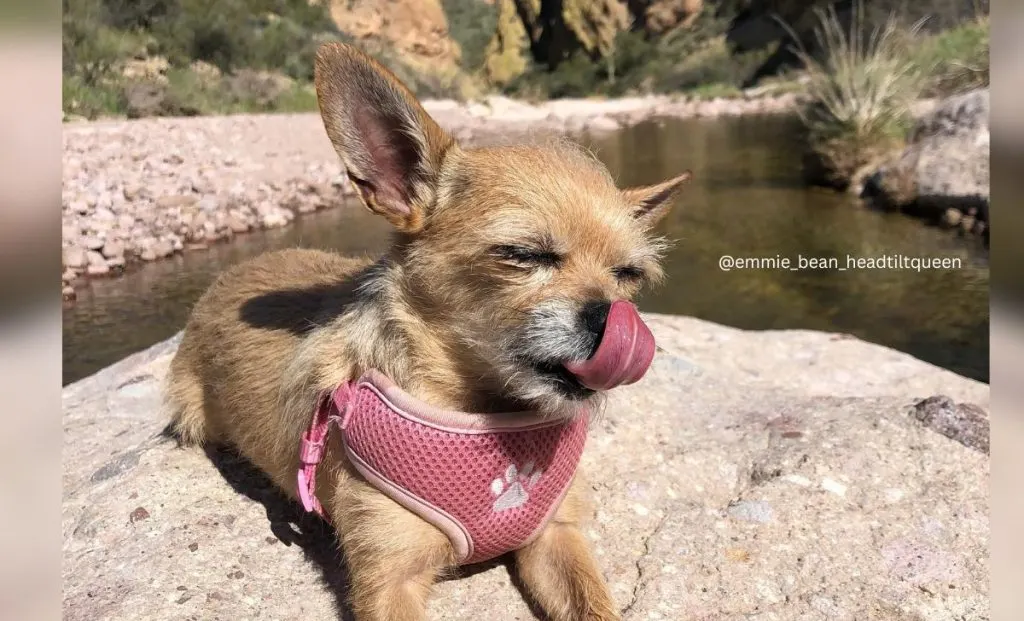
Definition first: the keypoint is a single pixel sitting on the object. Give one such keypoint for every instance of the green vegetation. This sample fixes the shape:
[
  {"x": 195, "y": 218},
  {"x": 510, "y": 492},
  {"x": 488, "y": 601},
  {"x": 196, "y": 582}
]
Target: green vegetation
[
  {"x": 471, "y": 24},
  {"x": 188, "y": 57},
  {"x": 861, "y": 90},
  {"x": 861, "y": 87},
  {"x": 956, "y": 60},
  {"x": 693, "y": 61}
]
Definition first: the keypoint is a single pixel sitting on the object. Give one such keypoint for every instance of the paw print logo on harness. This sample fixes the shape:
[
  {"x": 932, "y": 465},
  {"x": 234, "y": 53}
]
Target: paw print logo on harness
[{"x": 513, "y": 489}]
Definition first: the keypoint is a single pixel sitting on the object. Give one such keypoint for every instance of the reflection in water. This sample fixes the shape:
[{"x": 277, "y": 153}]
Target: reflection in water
[{"x": 745, "y": 200}]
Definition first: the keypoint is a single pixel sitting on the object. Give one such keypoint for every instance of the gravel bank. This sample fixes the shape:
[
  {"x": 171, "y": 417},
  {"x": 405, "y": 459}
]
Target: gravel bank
[{"x": 136, "y": 191}]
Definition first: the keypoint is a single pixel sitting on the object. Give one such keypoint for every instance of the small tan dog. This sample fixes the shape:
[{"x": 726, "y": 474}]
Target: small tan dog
[{"x": 501, "y": 272}]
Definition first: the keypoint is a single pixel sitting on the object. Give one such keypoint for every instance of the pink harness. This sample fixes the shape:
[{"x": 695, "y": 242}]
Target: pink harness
[{"x": 489, "y": 483}]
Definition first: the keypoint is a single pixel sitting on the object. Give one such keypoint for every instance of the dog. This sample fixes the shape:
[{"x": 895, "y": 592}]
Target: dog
[{"x": 510, "y": 268}]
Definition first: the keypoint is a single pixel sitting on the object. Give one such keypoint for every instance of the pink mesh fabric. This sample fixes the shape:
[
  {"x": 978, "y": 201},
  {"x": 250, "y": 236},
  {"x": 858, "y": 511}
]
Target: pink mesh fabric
[{"x": 490, "y": 489}]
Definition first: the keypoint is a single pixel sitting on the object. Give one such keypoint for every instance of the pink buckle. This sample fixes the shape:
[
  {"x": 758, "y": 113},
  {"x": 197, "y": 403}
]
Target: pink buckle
[
  {"x": 311, "y": 450},
  {"x": 307, "y": 483}
]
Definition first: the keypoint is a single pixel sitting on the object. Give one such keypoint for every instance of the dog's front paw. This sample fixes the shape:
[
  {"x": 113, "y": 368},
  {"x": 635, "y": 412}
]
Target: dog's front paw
[{"x": 512, "y": 490}]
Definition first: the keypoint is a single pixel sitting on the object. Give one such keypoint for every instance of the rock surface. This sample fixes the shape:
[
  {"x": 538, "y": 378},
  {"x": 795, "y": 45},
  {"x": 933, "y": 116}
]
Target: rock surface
[
  {"x": 549, "y": 33},
  {"x": 751, "y": 475},
  {"x": 946, "y": 164},
  {"x": 417, "y": 30},
  {"x": 145, "y": 189}
]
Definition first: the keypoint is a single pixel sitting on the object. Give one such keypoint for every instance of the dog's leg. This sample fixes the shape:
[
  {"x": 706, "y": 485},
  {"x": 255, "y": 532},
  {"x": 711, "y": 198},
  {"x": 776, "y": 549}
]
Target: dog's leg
[
  {"x": 393, "y": 557},
  {"x": 559, "y": 570}
]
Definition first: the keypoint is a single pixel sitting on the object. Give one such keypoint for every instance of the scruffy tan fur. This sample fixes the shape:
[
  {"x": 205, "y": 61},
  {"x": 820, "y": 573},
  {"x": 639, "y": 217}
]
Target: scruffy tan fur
[{"x": 446, "y": 312}]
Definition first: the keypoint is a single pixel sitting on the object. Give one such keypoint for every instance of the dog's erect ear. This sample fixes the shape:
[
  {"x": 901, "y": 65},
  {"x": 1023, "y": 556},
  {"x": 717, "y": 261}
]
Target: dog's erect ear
[
  {"x": 391, "y": 148},
  {"x": 651, "y": 203}
]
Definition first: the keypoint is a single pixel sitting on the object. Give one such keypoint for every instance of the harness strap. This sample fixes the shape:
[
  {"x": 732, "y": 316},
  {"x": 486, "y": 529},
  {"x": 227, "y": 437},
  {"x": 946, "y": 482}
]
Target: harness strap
[{"x": 332, "y": 409}]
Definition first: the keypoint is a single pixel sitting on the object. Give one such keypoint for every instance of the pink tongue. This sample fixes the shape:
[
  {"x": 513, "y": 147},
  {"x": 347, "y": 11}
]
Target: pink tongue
[{"x": 624, "y": 354}]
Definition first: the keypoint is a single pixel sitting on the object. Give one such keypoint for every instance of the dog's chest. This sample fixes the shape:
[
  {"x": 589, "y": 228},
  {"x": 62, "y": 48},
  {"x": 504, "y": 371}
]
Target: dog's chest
[{"x": 489, "y": 489}]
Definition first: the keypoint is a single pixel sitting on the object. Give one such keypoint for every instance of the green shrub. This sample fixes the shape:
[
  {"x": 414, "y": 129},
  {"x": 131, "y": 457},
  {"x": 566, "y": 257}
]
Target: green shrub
[
  {"x": 91, "y": 100},
  {"x": 713, "y": 64},
  {"x": 576, "y": 77},
  {"x": 92, "y": 51},
  {"x": 471, "y": 24},
  {"x": 861, "y": 88},
  {"x": 686, "y": 60},
  {"x": 957, "y": 59}
]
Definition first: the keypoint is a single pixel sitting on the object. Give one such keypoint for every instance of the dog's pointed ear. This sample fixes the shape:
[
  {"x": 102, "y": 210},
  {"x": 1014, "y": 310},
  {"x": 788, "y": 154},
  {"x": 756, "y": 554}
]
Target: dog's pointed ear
[
  {"x": 649, "y": 204},
  {"x": 391, "y": 148}
]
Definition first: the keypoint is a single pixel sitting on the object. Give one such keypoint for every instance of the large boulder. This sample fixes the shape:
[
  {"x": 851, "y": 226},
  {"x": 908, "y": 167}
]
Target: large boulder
[
  {"x": 945, "y": 165},
  {"x": 769, "y": 475}
]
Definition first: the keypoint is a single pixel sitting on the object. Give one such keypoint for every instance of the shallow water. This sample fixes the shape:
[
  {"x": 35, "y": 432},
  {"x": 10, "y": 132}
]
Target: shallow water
[{"x": 746, "y": 201}]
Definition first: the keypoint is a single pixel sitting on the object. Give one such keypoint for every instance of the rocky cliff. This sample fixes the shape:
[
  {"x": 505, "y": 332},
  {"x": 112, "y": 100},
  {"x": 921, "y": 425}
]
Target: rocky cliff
[
  {"x": 415, "y": 30},
  {"x": 548, "y": 32}
]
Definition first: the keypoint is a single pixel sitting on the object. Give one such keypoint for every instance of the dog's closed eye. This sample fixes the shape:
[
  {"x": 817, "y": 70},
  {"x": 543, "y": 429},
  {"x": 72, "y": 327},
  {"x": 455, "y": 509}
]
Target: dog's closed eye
[
  {"x": 526, "y": 256},
  {"x": 629, "y": 273}
]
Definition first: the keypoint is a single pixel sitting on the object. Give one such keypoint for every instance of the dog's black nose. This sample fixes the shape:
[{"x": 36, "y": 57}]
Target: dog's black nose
[{"x": 594, "y": 315}]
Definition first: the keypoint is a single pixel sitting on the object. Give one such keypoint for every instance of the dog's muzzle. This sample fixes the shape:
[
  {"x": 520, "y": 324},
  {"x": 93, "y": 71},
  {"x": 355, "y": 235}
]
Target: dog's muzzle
[{"x": 624, "y": 353}]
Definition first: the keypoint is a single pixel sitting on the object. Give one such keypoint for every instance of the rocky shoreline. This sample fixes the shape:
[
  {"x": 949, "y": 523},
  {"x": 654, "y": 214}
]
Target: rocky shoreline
[{"x": 143, "y": 190}]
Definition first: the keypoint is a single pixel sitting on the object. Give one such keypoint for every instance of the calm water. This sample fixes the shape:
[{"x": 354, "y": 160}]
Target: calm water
[{"x": 746, "y": 200}]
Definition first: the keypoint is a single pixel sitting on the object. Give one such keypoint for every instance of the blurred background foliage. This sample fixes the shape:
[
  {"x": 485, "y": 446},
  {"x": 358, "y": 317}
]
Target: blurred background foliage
[{"x": 187, "y": 57}]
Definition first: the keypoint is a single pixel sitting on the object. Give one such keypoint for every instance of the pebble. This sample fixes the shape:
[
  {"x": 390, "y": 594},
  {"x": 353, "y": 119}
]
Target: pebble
[
  {"x": 131, "y": 191},
  {"x": 175, "y": 202},
  {"x": 967, "y": 223},
  {"x": 163, "y": 248},
  {"x": 831, "y": 485},
  {"x": 113, "y": 250},
  {"x": 797, "y": 479},
  {"x": 92, "y": 243},
  {"x": 237, "y": 224},
  {"x": 97, "y": 270},
  {"x": 95, "y": 258},
  {"x": 751, "y": 511},
  {"x": 75, "y": 257},
  {"x": 952, "y": 217}
]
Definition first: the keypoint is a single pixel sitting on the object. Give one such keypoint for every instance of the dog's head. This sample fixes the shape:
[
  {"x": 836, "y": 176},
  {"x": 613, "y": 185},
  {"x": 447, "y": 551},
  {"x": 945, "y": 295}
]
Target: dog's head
[{"x": 525, "y": 257}]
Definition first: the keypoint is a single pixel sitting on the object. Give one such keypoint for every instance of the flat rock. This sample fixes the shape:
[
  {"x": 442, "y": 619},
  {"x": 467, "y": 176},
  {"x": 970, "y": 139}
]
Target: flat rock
[{"x": 750, "y": 475}]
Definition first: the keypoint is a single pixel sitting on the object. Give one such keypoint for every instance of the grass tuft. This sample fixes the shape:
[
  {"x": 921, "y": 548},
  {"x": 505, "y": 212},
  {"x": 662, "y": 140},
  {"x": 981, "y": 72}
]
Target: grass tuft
[
  {"x": 865, "y": 85},
  {"x": 860, "y": 91}
]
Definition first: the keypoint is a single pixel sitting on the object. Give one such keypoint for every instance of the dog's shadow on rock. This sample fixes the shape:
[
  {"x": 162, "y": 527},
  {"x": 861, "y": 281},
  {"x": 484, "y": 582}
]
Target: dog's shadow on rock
[
  {"x": 292, "y": 525},
  {"x": 289, "y": 523}
]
